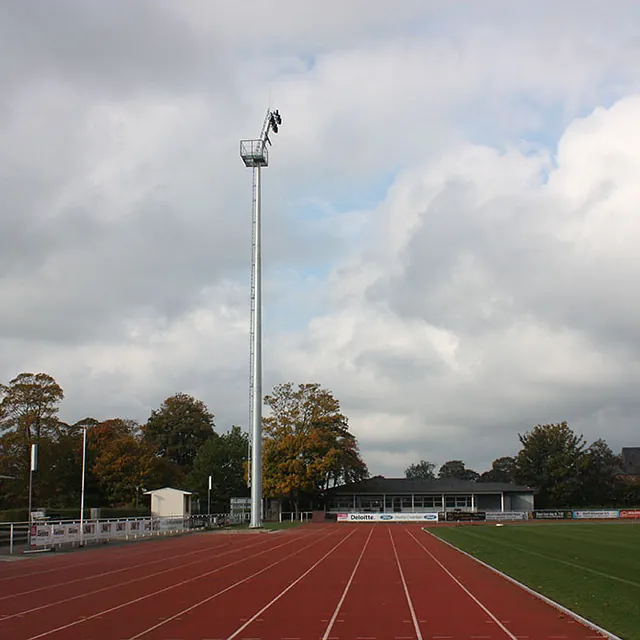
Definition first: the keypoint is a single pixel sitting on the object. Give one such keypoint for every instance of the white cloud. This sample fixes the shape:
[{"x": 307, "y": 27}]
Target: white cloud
[
  {"x": 467, "y": 180},
  {"x": 485, "y": 314}
]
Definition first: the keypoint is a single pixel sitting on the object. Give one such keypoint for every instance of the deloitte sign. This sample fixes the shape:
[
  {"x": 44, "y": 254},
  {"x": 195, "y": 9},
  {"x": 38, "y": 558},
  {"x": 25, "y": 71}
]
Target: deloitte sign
[{"x": 387, "y": 517}]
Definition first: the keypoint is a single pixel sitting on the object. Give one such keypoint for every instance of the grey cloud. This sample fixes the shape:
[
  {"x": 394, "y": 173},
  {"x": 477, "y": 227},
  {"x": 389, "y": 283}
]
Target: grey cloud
[
  {"x": 110, "y": 47},
  {"x": 116, "y": 211}
]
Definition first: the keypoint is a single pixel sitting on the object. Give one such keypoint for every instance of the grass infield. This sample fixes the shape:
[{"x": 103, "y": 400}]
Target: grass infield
[{"x": 592, "y": 569}]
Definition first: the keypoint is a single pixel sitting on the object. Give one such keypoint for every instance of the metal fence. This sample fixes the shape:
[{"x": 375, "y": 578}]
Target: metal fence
[
  {"x": 45, "y": 535},
  {"x": 293, "y": 516}
]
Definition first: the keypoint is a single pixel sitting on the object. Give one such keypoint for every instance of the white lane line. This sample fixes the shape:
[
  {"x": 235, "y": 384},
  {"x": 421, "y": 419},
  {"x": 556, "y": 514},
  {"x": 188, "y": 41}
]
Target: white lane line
[
  {"x": 489, "y": 613},
  {"x": 112, "y": 572},
  {"x": 556, "y": 605},
  {"x": 416, "y": 625},
  {"x": 177, "y": 584},
  {"x": 122, "y": 584},
  {"x": 346, "y": 589},
  {"x": 238, "y": 631}
]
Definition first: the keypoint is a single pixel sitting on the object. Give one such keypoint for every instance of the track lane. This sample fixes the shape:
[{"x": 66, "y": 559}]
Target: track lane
[
  {"x": 375, "y": 605},
  {"x": 102, "y": 570},
  {"x": 442, "y": 607},
  {"x": 37, "y": 566},
  {"x": 182, "y": 602},
  {"x": 523, "y": 614},
  {"x": 117, "y": 597},
  {"x": 305, "y": 608},
  {"x": 27, "y": 602},
  {"x": 243, "y": 612}
]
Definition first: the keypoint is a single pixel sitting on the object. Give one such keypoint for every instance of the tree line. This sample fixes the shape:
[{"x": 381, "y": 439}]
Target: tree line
[
  {"x": 307, "y": 448},
  {"x": 558, "y": 463}
]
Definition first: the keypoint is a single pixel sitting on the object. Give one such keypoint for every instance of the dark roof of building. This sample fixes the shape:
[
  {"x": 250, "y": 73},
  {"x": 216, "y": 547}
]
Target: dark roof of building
[
  {"x": 418, "y": 485},
  {"x": 630, "y": 464}
]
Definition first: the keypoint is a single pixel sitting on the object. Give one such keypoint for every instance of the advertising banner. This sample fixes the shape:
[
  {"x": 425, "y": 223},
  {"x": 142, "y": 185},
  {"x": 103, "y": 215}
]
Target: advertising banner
[
  {"x": 41, "y": 535},
  {"x": 72, "y": 532},
  {"x": 507, "y": 515},
  {"x": 630, "y": 514},
  {"x": 90, "y": 532},
  {"x": 58, "y": 534},
  {"x": 466, "y": 516},
  {"x": 593, "y": 515},
  {"x": 387, "y": 517},
  {"x": 552, "y": 515}
]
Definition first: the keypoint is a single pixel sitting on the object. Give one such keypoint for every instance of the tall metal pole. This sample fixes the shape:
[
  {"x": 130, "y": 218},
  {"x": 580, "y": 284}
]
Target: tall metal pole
[
  {"x": 84, "y": 457},
  {"x": 254, "y": 154},
  {"x": 256, "y": 364},
  {"x": 33, "y": 466}
]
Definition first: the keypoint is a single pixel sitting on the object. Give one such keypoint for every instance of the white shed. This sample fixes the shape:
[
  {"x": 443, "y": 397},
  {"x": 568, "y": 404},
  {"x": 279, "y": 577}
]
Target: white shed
[{"x": 169, "y": 502}]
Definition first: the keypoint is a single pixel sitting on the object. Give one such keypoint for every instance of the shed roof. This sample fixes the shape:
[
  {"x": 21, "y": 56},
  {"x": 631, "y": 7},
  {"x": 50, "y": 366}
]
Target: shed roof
[
  {"x": 168, "y": 489},
  {"x": 419, "y": 485}
]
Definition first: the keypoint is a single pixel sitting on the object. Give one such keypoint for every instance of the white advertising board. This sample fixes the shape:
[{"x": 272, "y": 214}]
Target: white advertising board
[
  {"x": 596, "y": 515},
  {"x": 387, "y": 517},
  {"x": 507, "y": 515}
]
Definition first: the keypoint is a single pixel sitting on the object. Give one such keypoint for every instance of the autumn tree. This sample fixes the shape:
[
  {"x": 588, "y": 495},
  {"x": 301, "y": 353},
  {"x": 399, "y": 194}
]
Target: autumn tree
[
  {"x": 551, "y": 459},
  {"x": 30, "y": 406},
  {"x": 502, "y": 470},
  {"x": 223, "y": 457},
  {"x": 124, "y": 467},
  {"x": 456, "y": 469},
  {"x": 308, "y": 447},
  {"x": 179, "y": 428},
  {"x": 101, "y": 436},
  {"x": 28, "y": 414},
  {"x": 423, "y": 469}
]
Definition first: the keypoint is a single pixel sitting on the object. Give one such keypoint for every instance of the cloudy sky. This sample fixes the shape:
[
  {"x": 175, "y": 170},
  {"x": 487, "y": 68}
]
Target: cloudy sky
[{"x": 451, "y": 213}]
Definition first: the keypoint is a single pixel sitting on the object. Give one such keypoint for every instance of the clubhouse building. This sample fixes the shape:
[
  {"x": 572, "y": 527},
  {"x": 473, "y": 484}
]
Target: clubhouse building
[{"x": 404, "y": 495}]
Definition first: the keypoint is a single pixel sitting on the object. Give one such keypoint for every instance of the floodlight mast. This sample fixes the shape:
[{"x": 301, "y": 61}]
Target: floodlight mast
[{"x": 254, "y": 154}]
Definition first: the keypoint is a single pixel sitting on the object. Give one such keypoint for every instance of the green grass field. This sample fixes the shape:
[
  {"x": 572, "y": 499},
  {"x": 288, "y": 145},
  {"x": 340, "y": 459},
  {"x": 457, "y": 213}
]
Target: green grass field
[{"x": 593, "y": 569}]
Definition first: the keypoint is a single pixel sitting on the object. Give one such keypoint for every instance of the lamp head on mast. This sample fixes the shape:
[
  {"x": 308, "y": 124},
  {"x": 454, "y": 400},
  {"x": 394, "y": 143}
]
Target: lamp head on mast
[{"x": 254, "y": 152}]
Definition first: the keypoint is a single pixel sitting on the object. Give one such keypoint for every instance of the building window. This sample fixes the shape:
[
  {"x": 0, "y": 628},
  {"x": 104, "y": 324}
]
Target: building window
[
  {"x": 429, "y": 502},
  {"x": 370, "y": 503},
  {"x": 458, "y": 502},
  {"x": 343, "y": 502}
]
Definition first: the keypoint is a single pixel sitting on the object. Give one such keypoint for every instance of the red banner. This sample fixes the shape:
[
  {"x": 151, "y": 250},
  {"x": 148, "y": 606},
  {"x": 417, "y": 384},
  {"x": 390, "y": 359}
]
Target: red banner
[{"x": 630, "y": 513}]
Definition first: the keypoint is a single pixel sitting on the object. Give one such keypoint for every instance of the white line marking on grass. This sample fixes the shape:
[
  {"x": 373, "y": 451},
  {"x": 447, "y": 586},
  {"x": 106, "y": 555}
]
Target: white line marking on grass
[
  {"x": 553, "y": 603},
  {"x": 489, "y": 613},
  {"x": 178, "y": 584},
  {"x": 554, "y": 559},
  {"x": 416, "y": 625},
  {"x": 346, "y": 589},
  {"x": 293, "y": 584}
]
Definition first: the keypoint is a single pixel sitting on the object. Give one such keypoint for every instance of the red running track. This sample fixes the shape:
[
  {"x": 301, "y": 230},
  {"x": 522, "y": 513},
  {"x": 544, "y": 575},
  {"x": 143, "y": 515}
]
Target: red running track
[{"x": 318, "y": 582}]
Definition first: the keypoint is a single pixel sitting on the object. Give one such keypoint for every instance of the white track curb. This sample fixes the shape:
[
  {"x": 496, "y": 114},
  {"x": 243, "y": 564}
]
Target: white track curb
[{"x": 553, "y": 603}]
